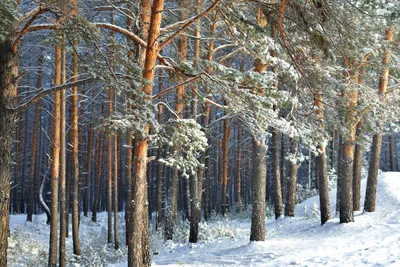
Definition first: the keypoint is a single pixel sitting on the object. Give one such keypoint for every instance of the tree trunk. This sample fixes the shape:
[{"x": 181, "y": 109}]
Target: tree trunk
[
  {"x": 370, "y": 196},
  {"x": 63, "y": 223},
  {"x": 257, "y": 232},
  {"x": 116, "y": 240},
  {"x": 75, "y": 156},
  {"x": 276, "y": 174},
  {"x": 138, "y": 248},
  {"x": 224, "y": 170},
  {"x": 323, "y": 185},
  {"x": 357, "y": 170},
  {"x": 321, "y": 163},
  {"x": 238, "y": 172},
  {"x": 292, "y": 183},
  {"x": 56, "y": 160},
  {"x": 98, "y": 178},
  {"x": 34, "y": 144},
  {"x": 9, "y": 62}
]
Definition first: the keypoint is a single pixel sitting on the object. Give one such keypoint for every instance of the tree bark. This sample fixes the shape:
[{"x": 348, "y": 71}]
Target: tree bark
[
  {"x": 278, "y": 206},
  {"x": 56, "y": 160},
  {"x": 322, "y": 174},
  {"x": 75, "y": 155},
  {"x": 9, "y": 62},
  {"x": 357, "y": 170},
  {"x": 292, "y": 183},
  {"x": 257, "y": 232},
  {"x": 63, "y": 223},
  {"x": 138, "y": 248},
  {"x": 370, "y": 196}
]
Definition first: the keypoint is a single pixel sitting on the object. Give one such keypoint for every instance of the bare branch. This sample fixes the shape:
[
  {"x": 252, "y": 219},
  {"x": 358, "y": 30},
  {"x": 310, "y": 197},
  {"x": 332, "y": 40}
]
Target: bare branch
[
  {"x": 43, "y": 93},
  {"x": 188, "y": 24}
]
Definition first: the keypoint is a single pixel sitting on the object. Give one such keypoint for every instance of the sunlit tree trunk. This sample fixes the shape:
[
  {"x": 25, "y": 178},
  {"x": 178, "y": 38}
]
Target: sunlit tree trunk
[
  {"x": 370, "y": 195},
  {"x": 138, "y": 248},
  {"x": 346, "y": 194},
  {"x": 63, "y": 205},
  {"x": 224, "y": 168},
  {"x": 55, "y": 171}
]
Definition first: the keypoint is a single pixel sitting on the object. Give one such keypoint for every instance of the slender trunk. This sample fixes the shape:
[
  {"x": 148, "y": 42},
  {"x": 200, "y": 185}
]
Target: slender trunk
[
  {"x": 63, "y": 224},
  {"x": 224, "y": 179},
  {"x": 56, "y": 160},
  {"x": 357, "y": 170},
  {"x": 238, "y": 170},
  {"x": 159, "y": 206},
  {"x": 96, "y": 200},
  {"x": 24, "y": 158},
  {"x": 276, "y": 174},
  {"x": 116, "y": 240},
  {"x": 34, "y": 145},
  {"x": 322, "y": 175},
  {"x": 283, "y": 168}
]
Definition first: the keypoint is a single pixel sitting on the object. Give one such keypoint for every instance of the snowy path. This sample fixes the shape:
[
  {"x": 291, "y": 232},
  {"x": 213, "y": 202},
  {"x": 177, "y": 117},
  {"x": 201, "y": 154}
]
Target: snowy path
[{"x": 373, "y": 240}]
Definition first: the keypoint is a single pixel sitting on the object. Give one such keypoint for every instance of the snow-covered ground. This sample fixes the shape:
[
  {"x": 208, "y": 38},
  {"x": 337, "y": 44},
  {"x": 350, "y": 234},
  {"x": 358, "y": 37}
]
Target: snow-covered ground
[{"x": 373, "y": 240}]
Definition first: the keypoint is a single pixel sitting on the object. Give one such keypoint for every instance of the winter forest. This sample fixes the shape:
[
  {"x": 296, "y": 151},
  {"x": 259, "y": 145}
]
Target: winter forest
[{"x": 199, "y": 133}]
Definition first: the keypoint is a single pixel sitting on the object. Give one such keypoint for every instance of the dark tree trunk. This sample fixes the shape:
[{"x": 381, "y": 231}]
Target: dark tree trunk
[
  {"x": 346, "y": 195},
  {"x": 357, "y": 170},
  {"x": 276, "y": 174},
  {"x": 173, "y": 202},
  {"x": 322, "y": 177},
  {"x": 8, "y": 92},
  {"x": 34, "y": 145},
  {"x": 370, "y": 195}
]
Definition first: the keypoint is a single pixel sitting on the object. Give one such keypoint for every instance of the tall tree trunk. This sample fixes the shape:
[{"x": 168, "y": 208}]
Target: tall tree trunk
[
  {"x": 322, "y": 173},
  {"x": 283, "y": 168},
  {"x": 63, "y": 224},
  {"x": 75, "y": 156},
  {"x": 224, "y": 168},
  {"x": 56, "y": 160},
  {"x": 346, "y": 194},
  {"x": 259, "y": 181},
  {"x": 179, "y": 105},
  {"x": 24, "y": 158},
  {"x": 357, "y": 169},
  {"x": 238, "y": 171},
  {"x": 138, "y": 248},
  {"x": 370, "y": 195},
  {"x": 98, "y": 177},
  {"x": 34, "y": 144},
  {"x": 9, "y": 62},
  {"x": 159, "y": 189},
  {"x": 278, "y": 206}
]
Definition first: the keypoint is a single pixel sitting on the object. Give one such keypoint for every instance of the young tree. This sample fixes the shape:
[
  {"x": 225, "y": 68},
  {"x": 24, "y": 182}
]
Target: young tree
[{"x": 370, "y": 195}]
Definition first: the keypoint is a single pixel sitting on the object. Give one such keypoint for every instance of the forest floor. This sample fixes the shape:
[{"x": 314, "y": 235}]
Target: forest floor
[{"x": 372, "y": 240}]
